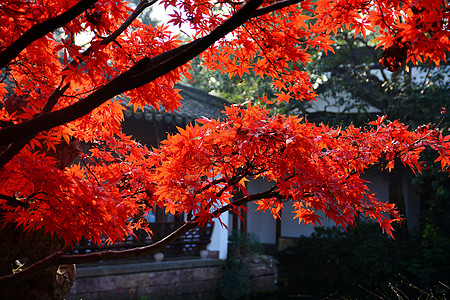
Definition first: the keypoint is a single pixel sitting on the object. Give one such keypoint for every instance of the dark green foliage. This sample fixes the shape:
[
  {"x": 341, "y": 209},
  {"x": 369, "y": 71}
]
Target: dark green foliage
[
  {"x": 235, "y": 282},
  {"x": 244, "y": 245},
  {"x": 362, "y": 259},
  {"x": 435, "y": 226},
  {"x": 336, "y": 259}
]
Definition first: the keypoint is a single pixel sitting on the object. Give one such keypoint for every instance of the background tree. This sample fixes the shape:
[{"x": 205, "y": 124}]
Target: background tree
[
  {"x": 235, "y": 89},
  {"x": 413, "y": 93},
  {"x": 58, "y": 104}
]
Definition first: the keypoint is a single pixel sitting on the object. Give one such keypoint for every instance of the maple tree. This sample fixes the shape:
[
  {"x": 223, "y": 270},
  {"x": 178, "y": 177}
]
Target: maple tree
[{"x": 58, "y": 104}]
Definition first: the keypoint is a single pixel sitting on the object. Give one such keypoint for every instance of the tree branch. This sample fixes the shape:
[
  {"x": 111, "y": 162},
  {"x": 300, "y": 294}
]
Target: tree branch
[
  {"x": 16, "y": 146},
  {"x": 128, "y": 253},
  {"x": 10, "y": 151},
  {"x": 144, "y": 71},
  {"x": 241, "y": 201},
  {"x": 34, "y": 268},
  {"x": 58, "y": 92},
  {"x": 41, "y": 29},
  {"x": 274, "y": 7},
  {"x": 143, "y": 4},
  {"x": 14, "y": 201},
  {"x": 59, "y": 258}
]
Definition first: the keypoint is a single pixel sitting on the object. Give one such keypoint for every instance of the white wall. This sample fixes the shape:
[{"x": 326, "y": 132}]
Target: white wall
[
  {"x": 219, "y": 237},
  {"x": 262, "y": 224},
  {"x": 292, "y": 229}
]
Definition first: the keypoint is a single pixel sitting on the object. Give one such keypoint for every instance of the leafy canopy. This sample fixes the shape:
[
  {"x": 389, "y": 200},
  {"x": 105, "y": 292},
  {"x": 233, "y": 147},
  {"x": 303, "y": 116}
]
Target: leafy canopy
[{"x": 58, "y": 103}]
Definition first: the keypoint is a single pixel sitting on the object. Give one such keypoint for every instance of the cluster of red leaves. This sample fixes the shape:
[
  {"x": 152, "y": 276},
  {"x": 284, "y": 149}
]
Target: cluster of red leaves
[
  {"x": 274, "y": 45},
  {"x": 197, "y": 171},
  {"x": 100, "y": 194},
  {"x": 419, "y": 27},
  {"x": 95, "y": 197},
  {"x": 317, "y": 168},
  {"x": 42, "y": 66}
]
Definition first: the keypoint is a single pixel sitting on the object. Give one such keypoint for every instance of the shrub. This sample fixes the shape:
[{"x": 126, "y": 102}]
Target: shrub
[
  {"x": 235, "y": 282},
  {"x": 361, "y": 259}
]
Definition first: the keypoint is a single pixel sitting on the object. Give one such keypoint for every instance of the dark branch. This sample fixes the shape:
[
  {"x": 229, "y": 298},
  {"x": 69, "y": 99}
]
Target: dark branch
[
  {"x": 34, "y": 268},
  {"x": 54, "y": 97},
  {"x": 241, "y": 201},
  {"x": 144, "y": 71},
  {"x": 12, "y": 201},
  {"x": 128, "y": 253},
  {"x": 58, "y": 92},
  {"x": 274, "y": 7},
  {"x": 41, "y": 29},
  {"x": 15, "y": 147},
  {"x": 143, "y": 4},
  {"x": 59, "y": 258},
  {"x": 10, "y": 151}
]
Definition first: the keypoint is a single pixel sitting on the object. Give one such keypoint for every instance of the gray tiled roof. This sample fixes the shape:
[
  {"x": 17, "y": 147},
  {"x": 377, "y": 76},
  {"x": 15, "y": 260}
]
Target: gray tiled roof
[{"x": 195, "y": 104}]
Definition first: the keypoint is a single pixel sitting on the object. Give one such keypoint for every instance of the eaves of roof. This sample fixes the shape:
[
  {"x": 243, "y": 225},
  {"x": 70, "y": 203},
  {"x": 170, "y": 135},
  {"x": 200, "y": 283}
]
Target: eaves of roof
[{"x": 195, "y": 104}]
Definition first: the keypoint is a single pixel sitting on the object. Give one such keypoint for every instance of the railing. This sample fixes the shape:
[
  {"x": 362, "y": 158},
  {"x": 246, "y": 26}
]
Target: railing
[{"x": 187, "y": 245}]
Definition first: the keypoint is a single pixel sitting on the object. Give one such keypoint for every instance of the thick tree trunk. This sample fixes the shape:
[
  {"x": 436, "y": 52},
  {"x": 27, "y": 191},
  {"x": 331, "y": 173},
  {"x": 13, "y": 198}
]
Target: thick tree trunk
[{"x": 19, "y": 249}]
